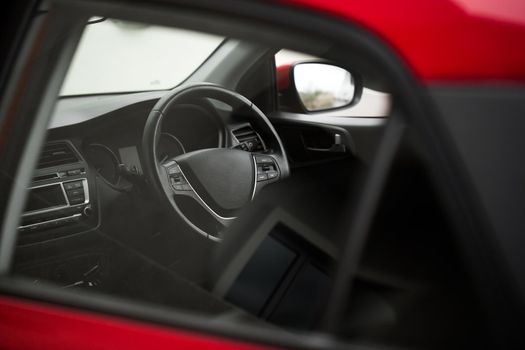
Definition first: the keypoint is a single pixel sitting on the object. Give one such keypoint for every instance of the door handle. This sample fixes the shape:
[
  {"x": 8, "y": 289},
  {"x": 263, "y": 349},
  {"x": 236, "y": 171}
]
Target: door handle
[{"x": 337, "y": 147}]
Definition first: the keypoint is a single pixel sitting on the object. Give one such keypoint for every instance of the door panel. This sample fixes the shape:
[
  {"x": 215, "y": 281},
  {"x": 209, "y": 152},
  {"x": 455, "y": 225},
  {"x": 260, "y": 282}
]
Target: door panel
[{"x": 311, "y": 138}]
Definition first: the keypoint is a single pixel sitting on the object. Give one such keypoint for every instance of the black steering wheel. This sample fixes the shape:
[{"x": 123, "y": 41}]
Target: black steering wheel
[{"x": 207, "y": 187}]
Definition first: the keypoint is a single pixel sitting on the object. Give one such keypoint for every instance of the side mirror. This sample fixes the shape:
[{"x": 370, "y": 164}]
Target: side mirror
[{"x": 319, "y": 86}]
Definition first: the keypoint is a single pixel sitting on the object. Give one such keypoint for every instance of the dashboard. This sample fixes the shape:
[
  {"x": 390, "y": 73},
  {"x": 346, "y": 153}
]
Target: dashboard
[
  {"x": 112, "y": 143},
  {"x": 106, "y": 146}
]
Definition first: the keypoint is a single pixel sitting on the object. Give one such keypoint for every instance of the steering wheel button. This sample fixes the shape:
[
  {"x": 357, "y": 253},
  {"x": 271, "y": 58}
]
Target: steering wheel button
[
  {"x": 263, "y": 159},
  {"x": 272, "y": 175},
  {"x": 186, "y": 187},
  {"x": 174, "y": 170},
  {"x": 262, "y": 177}
]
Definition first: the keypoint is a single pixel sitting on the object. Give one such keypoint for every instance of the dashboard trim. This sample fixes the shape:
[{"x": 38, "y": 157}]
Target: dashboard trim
[{"x": 39, "y": 224}]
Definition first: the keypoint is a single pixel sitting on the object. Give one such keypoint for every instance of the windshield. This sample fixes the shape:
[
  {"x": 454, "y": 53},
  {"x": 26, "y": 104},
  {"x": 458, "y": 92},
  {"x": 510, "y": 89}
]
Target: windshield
[{"x": 120, "y": 56}]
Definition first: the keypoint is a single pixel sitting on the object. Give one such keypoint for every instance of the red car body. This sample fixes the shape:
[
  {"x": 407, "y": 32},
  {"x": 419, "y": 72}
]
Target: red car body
[
  {"x": 444, "y": 40},
  {"x": 440, "y": 40}
]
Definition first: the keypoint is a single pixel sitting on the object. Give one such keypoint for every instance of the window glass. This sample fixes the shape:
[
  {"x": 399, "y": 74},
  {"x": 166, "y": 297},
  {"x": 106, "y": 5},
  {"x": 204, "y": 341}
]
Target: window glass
[
  {"x": 94, "y": 220},
  {"x": 191, "y": 200}
]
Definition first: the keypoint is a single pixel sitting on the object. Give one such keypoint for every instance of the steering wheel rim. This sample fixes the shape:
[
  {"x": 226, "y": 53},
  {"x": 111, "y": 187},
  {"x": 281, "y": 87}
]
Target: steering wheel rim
[{"x": 188, "y": 166}]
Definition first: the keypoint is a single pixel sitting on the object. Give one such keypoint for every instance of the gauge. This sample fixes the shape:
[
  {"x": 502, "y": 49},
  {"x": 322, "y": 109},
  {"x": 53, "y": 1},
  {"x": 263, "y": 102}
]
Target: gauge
[
  {"x": 104, "y": 161},
  {"x": 168, "y": 147}
]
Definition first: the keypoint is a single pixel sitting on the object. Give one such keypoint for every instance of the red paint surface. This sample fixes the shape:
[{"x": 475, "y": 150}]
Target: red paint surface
[
  {"x": 443, "y": 39},
  {"x": 283, "y": 77},
  {"x": 31, "y": 325}
]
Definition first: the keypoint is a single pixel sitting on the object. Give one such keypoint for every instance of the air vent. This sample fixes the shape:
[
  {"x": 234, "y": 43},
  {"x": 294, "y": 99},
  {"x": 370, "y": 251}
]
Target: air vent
[
  {"x": 249, "y": 140},
  {"x": 56, "y": 154}
]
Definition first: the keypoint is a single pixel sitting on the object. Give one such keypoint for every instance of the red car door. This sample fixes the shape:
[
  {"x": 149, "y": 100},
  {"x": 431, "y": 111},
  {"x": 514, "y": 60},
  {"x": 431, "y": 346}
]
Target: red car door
[{"x": 483, "y": 44}]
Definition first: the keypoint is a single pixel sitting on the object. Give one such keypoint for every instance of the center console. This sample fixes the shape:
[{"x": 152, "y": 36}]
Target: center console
[{"x": 61, "y": 194}]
